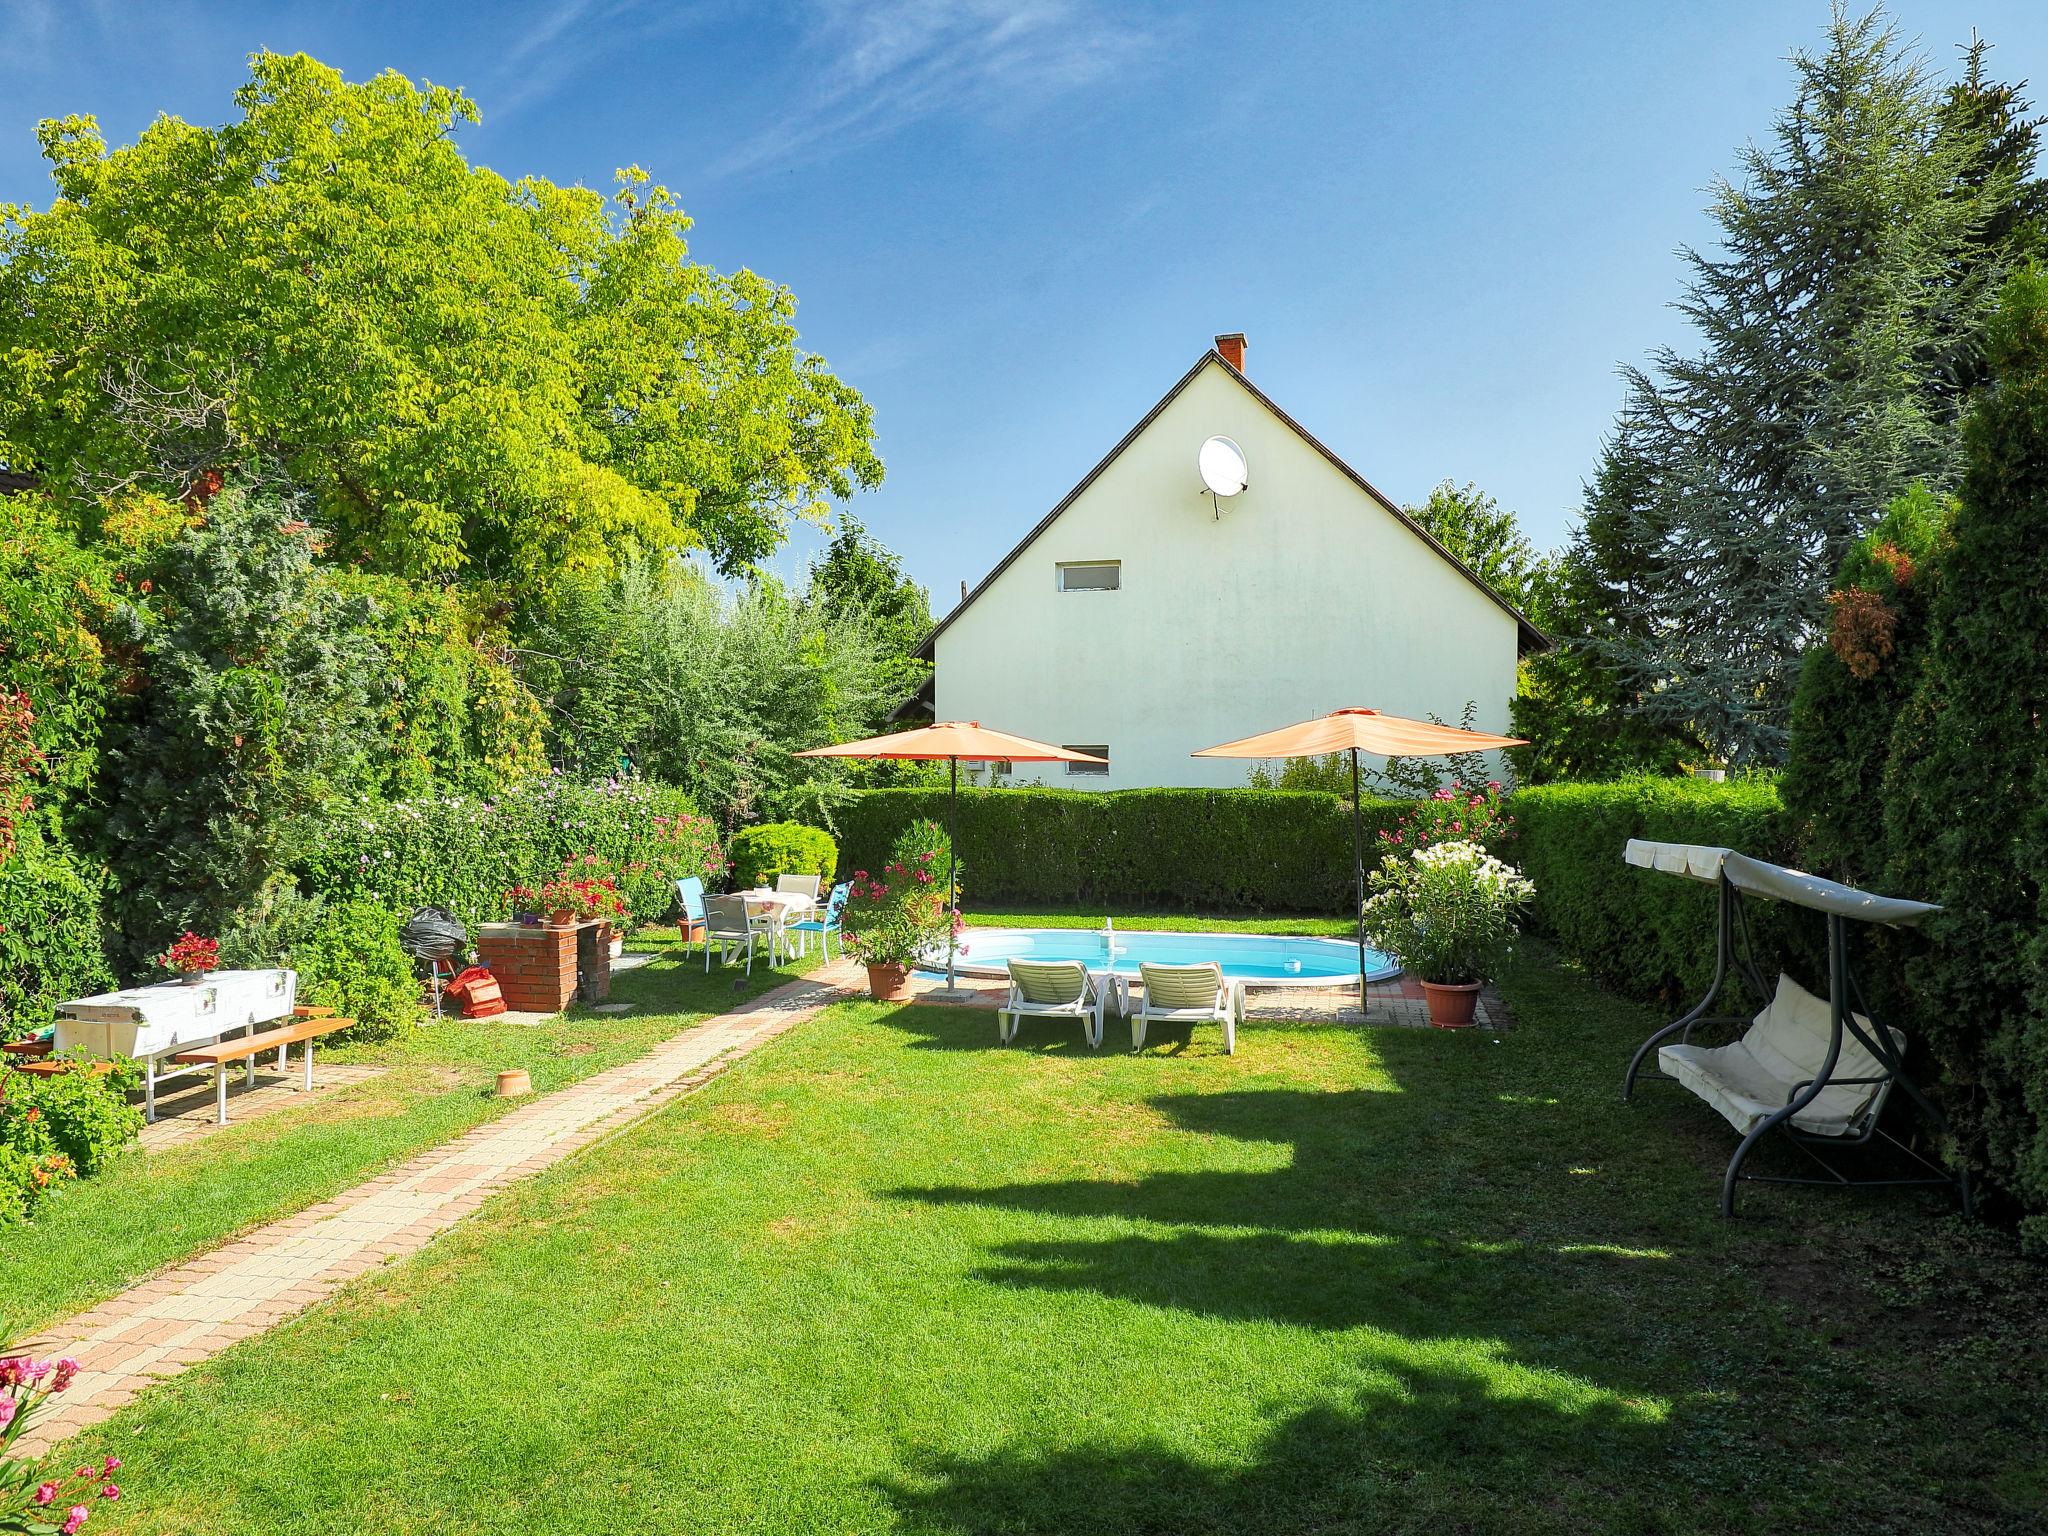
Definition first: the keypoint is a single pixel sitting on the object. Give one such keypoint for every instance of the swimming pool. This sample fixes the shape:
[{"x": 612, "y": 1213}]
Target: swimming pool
[{"x": 1256, "y": 959}]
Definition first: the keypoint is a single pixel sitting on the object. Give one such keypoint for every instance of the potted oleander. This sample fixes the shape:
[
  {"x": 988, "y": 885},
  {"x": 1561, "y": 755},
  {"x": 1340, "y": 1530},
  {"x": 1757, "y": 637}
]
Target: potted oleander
[
  {"x": 895, "y": 919},
  {"x": 1449, "y": 913}
]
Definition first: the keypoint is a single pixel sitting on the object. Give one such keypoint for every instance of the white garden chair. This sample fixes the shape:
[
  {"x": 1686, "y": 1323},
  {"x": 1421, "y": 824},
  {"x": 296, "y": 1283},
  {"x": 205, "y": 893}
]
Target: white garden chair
[
  {"x": 1052, "y": 989},
  {"x": 1188, "y": 994}
]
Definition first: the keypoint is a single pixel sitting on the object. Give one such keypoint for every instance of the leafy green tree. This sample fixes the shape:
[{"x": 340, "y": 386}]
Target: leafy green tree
[
  {"x": 260, "y": 688},
  {"x": 1483, "y": 534},
  {"x": 661, "y": 672},
  {"x": 503, "y": 379},
  {"x": 860, "y": 580},
  {"x": 1966, "y": 790},
  {"x": 1858, "y": 257}
]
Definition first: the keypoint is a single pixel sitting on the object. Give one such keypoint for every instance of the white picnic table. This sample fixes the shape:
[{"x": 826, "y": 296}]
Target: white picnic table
[
  {"x": 155, "y": 1022},
  {"x": 781, "y": 908}
]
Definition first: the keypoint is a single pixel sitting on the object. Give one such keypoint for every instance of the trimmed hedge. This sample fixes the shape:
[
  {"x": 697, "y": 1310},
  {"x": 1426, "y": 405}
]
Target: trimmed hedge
[
  {"x": 50, "y": 932},
  {"x": 763, "y": 853},
  {"x": 1209, "y": 849},
  {"x": 1648, "y": 934}
]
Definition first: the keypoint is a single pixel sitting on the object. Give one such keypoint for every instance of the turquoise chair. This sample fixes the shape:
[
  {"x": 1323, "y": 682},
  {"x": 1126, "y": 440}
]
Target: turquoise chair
[
  {"x": 826, "y": 923},
  {"x": 690, "y": 891}
]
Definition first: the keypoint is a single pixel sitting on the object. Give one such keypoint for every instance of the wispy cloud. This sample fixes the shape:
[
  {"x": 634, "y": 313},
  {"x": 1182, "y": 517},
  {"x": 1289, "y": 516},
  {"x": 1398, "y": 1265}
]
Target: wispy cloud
[
  {"x": 27, "y": 30},
  {"x": 874, "y": 66},
  {"x": 554, "y": 43}
]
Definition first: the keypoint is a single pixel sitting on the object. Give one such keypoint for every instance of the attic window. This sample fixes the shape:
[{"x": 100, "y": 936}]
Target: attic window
[
  {"x": 1098, "y": 750},
  {"x": 1091, "y": 575}
]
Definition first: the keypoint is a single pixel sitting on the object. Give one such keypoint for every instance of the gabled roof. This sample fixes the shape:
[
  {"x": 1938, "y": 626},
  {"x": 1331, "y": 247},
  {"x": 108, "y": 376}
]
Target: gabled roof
[
  {"x": 13, "y": 481},
  {"x": 1528, "y": 636}
]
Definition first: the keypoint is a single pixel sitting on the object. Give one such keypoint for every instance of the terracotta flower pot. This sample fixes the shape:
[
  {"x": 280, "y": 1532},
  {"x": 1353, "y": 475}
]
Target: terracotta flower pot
[
  {"x": 562, "y": 917},
  {"x": 1451, "y": 1006},
  {"x": 889, "y": 983},
  {"x": 515, "y": 1082}
]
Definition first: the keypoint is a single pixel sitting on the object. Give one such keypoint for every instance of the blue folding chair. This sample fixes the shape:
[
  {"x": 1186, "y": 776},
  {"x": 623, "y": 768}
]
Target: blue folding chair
[
  {"x": 690, "y": 891},
  {"x": 826, "y": 923}
]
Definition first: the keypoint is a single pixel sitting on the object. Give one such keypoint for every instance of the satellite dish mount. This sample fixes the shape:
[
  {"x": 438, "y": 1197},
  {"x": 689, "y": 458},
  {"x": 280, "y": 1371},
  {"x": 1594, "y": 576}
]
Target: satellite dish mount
[{"x": 1224, "y": 471}]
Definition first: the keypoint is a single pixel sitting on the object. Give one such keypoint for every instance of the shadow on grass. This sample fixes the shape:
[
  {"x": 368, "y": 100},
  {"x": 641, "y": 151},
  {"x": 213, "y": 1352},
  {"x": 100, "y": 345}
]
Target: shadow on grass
[{"x": 1417, "y": 1449}]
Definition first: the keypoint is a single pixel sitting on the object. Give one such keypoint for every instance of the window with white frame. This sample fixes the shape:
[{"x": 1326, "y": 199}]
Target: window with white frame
[
  {"x": 1100, "y": 750},
  {"x": 1091, "y": 575}
]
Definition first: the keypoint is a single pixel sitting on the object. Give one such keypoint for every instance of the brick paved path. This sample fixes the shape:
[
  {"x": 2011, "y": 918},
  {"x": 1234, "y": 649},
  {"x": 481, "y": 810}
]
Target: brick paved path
[{"x": 197, "y": 1309}]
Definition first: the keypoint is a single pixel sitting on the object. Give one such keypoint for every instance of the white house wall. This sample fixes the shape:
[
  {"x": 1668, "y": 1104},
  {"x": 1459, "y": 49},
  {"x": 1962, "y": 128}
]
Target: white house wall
[{"x": 1305, "y": 596}]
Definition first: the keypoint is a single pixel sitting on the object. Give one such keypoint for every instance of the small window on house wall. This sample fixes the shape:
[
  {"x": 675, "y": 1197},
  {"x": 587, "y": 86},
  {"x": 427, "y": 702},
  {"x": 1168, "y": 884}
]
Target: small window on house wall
[
  {"x": 1098, "y": 750},
  {"x": 1091, "y": 575}
]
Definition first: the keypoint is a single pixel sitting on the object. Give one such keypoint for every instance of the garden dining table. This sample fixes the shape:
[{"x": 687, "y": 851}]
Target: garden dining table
[{"x": 781, "y": 908}]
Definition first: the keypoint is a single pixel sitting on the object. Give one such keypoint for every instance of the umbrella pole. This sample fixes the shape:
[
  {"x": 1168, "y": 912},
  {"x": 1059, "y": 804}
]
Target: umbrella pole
[
  {"x": 952, "y": 992},
  {"x": 1358, "y": 880}
]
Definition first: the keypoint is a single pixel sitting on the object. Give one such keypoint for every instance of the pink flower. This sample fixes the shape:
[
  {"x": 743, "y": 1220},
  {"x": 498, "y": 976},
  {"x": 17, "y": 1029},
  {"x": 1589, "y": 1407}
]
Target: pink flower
[
  {"x": 78, "y": 1516},
  {"x": 110, "y": 1492},
  {"x": 7, "y": 1411},
  {"x": 46, "y": 1494},
  {"x": 112, "y": 1463},
  {"x": 66, "y": 1369}
]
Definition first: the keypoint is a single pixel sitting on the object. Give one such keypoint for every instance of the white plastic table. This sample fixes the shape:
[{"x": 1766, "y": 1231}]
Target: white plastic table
[{"x": 780, "y": 908}]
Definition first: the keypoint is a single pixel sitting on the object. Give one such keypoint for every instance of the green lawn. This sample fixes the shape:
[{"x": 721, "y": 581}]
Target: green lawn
[
  {"x": 886, "y": 1277},
  {"x": 153, "y": 1209}
]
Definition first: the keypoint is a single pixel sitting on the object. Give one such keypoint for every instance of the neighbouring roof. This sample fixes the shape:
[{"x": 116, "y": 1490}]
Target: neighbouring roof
[
  {"x": 13, "y": 481},
  {"x": 1529, "y": 637}
]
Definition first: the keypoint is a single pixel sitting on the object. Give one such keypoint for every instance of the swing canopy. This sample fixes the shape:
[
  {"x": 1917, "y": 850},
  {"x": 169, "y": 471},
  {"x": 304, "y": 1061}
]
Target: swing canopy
[{"x": 1775, "y": 882}]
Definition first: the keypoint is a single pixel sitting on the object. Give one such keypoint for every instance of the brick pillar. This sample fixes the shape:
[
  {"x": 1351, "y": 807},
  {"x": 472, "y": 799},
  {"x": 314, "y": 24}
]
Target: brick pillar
[
  {"x": 535, "y": 967},
  {"x": 593, "y": 962}
]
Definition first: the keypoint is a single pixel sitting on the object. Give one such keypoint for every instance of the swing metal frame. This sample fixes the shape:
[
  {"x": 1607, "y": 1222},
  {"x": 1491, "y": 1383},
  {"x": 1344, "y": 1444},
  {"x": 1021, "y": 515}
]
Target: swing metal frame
[{"x": 1735, "y": 955}]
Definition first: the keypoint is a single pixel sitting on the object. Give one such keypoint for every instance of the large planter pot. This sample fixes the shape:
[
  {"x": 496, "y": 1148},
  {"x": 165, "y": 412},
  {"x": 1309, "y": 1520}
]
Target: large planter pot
[
  {"x": 1451, "y": 1006},
  {"x": 889, "y": 983},
  {"x": 562, "y": 917}
]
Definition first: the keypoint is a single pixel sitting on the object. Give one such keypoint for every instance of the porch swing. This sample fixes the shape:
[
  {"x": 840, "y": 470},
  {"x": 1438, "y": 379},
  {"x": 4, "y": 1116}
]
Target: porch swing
[{"x": 1814, "y": 1068}]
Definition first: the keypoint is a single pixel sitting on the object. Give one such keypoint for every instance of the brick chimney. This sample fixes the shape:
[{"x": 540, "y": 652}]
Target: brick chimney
[{"x": 1232, "y": 348}]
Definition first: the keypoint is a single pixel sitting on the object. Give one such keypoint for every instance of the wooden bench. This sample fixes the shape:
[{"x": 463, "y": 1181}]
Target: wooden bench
[{"x": 305, "y": 1026}]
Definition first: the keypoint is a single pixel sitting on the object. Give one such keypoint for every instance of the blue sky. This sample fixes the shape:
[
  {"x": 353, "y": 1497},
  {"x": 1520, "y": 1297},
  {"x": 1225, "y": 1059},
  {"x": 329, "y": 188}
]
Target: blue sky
[{"x": 1013, "y": 223}]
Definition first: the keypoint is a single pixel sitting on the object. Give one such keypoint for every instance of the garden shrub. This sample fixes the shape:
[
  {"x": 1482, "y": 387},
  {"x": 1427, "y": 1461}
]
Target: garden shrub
[
  {"x": 1852, "y": 688},
  {"x": 1966, "y": 791},
  {"x": 760, "y": 854},
  {"x": 84, "y": 1115},
  {"x": 25, "y": 1178},
  {"x": 50, "y": 932},
  {"x": 256, "y": 713},
  {"x": 463, "y": 852},
  {"x": 1212, "y": 849},
  {"x": 1649, "y": 934},
  {"x": 346, "y": 954}
]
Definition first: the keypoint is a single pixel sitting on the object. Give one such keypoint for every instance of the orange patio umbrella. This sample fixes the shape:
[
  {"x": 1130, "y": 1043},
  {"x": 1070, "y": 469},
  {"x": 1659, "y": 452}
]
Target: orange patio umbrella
[
  {"x": 1356, "y": 731},
  {"x": 951, "y": 741}
]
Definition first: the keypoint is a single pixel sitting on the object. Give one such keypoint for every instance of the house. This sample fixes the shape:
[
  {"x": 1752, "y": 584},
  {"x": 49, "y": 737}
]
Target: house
[{"x": 1145, "y": 616}]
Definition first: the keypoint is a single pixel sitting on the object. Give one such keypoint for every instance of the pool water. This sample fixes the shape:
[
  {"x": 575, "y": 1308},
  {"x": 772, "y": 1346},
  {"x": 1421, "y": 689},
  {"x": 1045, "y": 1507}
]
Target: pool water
[{"x": 1258, "y": 959}]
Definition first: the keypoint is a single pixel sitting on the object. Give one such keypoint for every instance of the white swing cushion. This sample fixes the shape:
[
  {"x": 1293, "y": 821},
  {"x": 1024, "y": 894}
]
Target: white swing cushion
[{"x": 1753, "y": 1078}]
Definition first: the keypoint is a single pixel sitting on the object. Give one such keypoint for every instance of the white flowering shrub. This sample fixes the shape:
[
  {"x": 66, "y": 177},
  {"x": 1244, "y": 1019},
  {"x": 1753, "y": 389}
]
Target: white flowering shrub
[{"x": 1448, "y": 912}]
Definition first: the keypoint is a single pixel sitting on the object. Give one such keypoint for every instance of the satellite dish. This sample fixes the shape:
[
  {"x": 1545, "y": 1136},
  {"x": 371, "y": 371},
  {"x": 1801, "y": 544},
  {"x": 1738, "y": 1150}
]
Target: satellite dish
[{"x": 1223, "y": 467}]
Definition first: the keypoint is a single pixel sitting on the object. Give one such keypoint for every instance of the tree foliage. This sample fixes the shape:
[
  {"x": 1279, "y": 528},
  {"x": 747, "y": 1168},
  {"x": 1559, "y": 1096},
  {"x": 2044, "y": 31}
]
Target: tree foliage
[
  {"x": 1484, "y": 535},
  {"x": 860, "y": 581},
  {"x": 470, "y": 375},
  {"x": 1966, "y": 790},
  {"x": 1838, "y": 324},
  {"x": 659, "y": 670},
  {"x": 1852, "y": 688},
  {"x": 261, "y": 690}
]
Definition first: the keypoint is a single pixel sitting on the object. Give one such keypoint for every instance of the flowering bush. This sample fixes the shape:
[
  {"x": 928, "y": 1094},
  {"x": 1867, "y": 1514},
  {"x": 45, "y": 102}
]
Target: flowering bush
[
  {"x": 1447, "y": 912},
  {"x": 899, "y": 916},
  {"x": 190, "y": 954},
  {"x": 30, "y": 1501},
  {"x": 1454, "y": 815}
]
